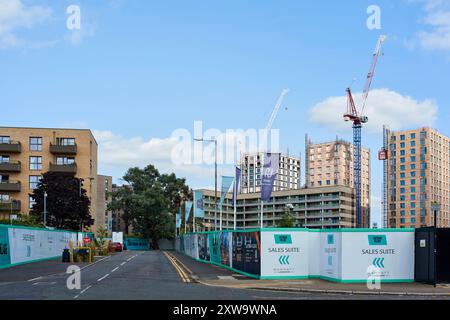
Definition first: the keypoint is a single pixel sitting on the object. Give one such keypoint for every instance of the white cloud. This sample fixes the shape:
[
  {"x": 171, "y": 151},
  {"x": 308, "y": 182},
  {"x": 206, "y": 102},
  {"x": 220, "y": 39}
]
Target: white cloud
[
  {"x": 15, "y": 15},
  {"x": 437, "y": 17},
  {"x": 118, "y": 152},
  {"x": 383, "y": 106}
]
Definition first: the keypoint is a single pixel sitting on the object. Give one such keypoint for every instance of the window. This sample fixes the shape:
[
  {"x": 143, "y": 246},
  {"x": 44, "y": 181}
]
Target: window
[
  {"x": 413, "y": 166},
  {"x": 31, "y": 202},
  {"x": 402, "y": 145},
  {"x": 402, "y": 182},
  {"x": 65, "y": 141},
  {"x": 413, "y": 212},
  {"x": 413, "y": 151},
  {"x": 35, "y": 163},
  {"x": 413, "y": 197},
  {"x": 402, "y": 160},
  {"x": 413, "y": 181},
  {"x": 5, "y": 139},
  {"x": 35, "y": 143},
  {"x": 413, "y": 135},
  {"x": 413, "y": 189},
  {"x": 402, "y": 152},
  {"x": 413, "y": 159},
  {"x": 413, "y": 143},
  {"x": 402, "y": 190},
  {"x": 413, "y": 220},
  {"x": 413, "y": 204},
  {"x": 67, "y": 160},
  {"x": 402, "y": 167},
  {"x": 4, "y": 159},
  {"x": 34, "y": 180},
  {"x": 402, "y": 137},
  {"x": 4, "y": 198},
  {"x": 402, "y": 175}
]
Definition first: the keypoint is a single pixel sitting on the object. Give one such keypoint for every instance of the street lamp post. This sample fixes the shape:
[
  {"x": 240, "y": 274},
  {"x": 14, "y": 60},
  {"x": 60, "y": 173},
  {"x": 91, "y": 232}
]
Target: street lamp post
[
  {"x": 45, "y": 209},
  {"x": 215, "y": 177}
]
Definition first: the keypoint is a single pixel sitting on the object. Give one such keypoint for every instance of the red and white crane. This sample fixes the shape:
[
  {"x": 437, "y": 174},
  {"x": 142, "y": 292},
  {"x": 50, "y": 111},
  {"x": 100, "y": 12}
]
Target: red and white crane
[{"x": 358, "y": 119}]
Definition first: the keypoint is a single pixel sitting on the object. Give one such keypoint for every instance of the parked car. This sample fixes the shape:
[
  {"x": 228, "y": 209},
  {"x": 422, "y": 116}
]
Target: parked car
[{"x": 116, "y": 246}]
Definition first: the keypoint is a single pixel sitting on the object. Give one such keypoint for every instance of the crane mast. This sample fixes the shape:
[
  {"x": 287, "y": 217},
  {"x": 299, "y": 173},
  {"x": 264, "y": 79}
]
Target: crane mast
[
  {"x": 276, "y": 109},
  {"x": 358, "y": 119}
]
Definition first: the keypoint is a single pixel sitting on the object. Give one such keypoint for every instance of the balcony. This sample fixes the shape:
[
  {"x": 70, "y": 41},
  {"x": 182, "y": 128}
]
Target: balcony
[
  {"x": 63, "y": 168},
  {"x": 11, "y": 147},
  {"x": 12, "y": 186},
  {"x": 9, "y": 206},
  {"x": 63, "y": 149},
  {"x": 11, "y": 166}
]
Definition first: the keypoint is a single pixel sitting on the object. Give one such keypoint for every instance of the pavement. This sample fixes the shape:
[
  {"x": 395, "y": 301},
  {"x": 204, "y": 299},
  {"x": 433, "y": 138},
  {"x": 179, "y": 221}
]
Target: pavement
[
  {"x": 213, "y": 275},
  {"x": 165, "y": 275}
]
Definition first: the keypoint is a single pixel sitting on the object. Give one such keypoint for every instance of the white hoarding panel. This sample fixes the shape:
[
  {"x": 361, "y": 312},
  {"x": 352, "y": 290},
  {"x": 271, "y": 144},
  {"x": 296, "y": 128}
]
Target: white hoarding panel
[
  {"x": 389, "y": 254},
  {"x": 314, "y": 244},
  {"x": 284, "y": 254},
  {"x": 117, "y": 237},
  {"x": 32, "y": 244},
  {"x": 330, "y": 255}
]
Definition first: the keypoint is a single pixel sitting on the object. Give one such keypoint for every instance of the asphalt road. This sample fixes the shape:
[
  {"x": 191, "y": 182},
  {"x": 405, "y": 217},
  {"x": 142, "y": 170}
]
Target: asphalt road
[{"x": 129, "y": 275}]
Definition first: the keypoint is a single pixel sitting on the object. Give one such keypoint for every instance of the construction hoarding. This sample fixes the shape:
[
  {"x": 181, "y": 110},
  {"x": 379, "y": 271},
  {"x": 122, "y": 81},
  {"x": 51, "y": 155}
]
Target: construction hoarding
[{"x": 342, "y": 255}]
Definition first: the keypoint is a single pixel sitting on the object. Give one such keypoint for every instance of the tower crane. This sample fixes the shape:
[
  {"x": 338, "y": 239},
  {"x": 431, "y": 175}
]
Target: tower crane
[
  {"x": 276, "y": 109},
  {"x": 358, "y": 119}
]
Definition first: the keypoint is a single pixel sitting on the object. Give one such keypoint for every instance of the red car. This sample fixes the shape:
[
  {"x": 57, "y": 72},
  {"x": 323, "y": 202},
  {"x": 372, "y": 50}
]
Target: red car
[{"x": 116, "y": 246}]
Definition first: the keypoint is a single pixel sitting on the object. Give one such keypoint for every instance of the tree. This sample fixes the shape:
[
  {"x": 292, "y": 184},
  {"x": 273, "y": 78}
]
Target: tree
[
  {"x": 287, "y": 220},
  {"x": 67, "y": 208},
  {"x": 150, "y": 201}
]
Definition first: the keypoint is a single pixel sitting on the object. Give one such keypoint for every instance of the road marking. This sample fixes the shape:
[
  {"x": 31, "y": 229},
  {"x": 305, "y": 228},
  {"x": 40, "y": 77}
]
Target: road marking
[
  {"x": 82, "y": 291},
  {"x": 43, "y": 283},
  {"x": 31, "y": 280},
  {"x": 177, "y": 267},
  {"x": 123, "y": 263},
  {"x": 115, "y": 269},
  {"x": 104, "y": 277}
]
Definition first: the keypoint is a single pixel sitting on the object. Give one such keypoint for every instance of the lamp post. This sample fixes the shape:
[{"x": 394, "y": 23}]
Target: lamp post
[
  {"x": 215, "y": 178},
  {"x": 45, "y": 209},
  {"x": 435, "y": 207}
]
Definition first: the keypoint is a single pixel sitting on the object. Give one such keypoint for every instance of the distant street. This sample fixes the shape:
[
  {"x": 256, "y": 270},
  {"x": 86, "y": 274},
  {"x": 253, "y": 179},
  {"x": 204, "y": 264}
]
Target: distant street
[{"x": 130, "y": 275}]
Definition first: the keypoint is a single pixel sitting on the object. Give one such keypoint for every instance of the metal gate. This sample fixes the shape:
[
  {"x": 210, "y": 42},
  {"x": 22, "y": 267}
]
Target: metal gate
[{"x": 429, "y": 241}]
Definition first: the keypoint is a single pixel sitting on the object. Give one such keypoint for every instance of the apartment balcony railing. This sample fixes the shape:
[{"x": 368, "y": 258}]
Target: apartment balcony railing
[
  {"x": 63, "y": 149},
  {"x": 64, "y": 168},
  {"x": 11, "y": 166},
  {"x": 13, "y": 186},
  {"x": 11, "y": 147},
  {"x": 9, "y": 206}
]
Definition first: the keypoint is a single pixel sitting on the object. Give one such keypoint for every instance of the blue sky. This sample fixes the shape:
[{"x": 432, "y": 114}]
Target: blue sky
[{"x": 137, "y": 70}]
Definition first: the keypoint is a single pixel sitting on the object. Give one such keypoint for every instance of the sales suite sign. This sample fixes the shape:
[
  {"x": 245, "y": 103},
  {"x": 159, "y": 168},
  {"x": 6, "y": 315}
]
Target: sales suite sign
[
  {"x": 391, "y": 253},
  {"x": 284, "y": 254}
]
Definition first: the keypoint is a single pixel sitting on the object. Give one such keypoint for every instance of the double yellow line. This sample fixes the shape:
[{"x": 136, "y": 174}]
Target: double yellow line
[{"x": 177, "y": 267}]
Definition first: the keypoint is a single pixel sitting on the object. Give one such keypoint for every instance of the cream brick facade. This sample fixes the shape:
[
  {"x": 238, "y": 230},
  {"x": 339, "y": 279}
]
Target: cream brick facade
[
  {"x": 331, "y": 164},
  {"x": 418, "y": 174},
  {"x": 27, "y": 153}
]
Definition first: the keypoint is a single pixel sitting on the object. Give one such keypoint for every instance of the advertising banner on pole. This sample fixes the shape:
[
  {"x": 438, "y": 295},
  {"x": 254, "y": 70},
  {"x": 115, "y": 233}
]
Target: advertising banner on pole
[
  {"x": 177, "y": 220},
  {"x": 198, "y": 204},
  {"x": 270, "y": 169},
  {"x": 187, "y": 210},
  {"x": 237, "y": 181},
  {"x": 226, "y": 185},
  {"x": 284, "y": 254}
]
